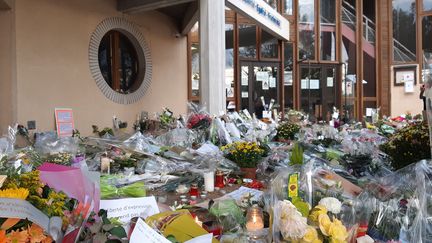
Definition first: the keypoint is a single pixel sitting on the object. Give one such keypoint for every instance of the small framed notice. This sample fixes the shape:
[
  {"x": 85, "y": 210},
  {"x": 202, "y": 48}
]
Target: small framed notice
[
  {"x": 405, "y": 74},
  {"x": 64, "y": 122}
]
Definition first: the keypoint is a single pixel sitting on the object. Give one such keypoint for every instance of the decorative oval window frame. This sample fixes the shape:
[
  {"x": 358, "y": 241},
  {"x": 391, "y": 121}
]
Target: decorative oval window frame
[{"x": 144, "y": 59}]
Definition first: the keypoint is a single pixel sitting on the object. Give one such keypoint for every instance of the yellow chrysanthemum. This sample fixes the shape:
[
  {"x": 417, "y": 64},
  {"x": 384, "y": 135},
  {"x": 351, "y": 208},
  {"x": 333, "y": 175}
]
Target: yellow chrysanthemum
[
  {"x": 19, "y": 193},
  {"x": 316, "y": 212},
  {"x": 337, "y": 232},
  {"x": 311, "y": 236},
  {"x": 324, "y": 224}
]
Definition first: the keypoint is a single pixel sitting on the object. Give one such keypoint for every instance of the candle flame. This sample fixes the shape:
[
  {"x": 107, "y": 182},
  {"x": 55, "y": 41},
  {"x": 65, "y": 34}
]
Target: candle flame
[{"x": 254, "y": 219}]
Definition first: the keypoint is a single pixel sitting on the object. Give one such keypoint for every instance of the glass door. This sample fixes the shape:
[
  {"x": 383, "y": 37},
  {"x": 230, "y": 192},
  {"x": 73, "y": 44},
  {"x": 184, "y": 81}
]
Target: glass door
[
  {"x": 319, "y": 91},
  {"x": 259, "y": 86}
]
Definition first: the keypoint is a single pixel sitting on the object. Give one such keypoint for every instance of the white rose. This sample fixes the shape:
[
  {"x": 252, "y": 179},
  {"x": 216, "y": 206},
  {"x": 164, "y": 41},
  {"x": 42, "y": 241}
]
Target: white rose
[{"x": 332, "y": 204}]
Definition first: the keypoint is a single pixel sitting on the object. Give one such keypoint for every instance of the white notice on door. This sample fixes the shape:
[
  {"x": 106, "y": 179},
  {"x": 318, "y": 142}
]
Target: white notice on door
[
  {"x": 272, "y": 82},
  {"x": 262, "y": 76},
  {"x": 245, "y": 95}
]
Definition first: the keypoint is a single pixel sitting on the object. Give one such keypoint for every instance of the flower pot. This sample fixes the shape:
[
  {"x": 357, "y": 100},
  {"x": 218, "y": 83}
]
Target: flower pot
[{"x": 249, "y": 173}]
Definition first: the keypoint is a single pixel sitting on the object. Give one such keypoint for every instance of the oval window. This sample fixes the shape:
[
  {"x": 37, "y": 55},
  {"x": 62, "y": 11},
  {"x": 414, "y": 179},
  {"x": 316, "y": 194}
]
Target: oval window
[{"x": 118, "y": 62}]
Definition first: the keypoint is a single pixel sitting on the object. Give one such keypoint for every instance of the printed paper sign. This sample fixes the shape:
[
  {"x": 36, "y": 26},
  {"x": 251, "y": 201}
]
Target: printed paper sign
[
  {"x": 369, "y": 112},
  {"x": 238, "y": 194},
  {"x": 272, "y": 82},
  {"x": 314, "y": 84},
  {"x": 128, "y": 208},
  {"x": 409, "y": 87},
  {"x": 329, "y": 81},
  {"x": 244, "y": 80},
  {"x": 265, "y": 85},
  {"x": 304, "y": 84},
  {"x": 64, "y": 122},
  {"x": 245, "y": 94},
  {"x": 262, "y": 76},
  {"x": 195, "y": 84},
  {"x": 143, "y": 233},
  {"x": 266, "y": 114}
]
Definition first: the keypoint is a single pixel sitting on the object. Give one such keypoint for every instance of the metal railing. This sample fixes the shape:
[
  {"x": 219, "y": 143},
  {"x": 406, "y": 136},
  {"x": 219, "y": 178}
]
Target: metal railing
[{"x": 400, "y": 52}]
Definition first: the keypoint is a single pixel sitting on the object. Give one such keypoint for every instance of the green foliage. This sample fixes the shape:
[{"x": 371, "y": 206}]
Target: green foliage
[
  {"x": 302, "y": 206},
  {"x": 408, "y": 145},
  {"x": 296, "y": 155},
  {"x": 287, "y": 130},
  {"x": 103, "y": 132}
]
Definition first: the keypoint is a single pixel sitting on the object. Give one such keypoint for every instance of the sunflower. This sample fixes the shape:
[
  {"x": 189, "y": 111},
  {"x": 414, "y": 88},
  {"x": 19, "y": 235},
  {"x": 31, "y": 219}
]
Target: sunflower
[{"x": 19, "y": 193}]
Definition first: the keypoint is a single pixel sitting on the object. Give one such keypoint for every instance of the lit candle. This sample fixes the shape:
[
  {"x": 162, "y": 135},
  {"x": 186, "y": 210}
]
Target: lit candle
[
  {"x": 254, "y": 219},
  {"x": 209, "y": 181},
  {"x": 200, "y": 223}
]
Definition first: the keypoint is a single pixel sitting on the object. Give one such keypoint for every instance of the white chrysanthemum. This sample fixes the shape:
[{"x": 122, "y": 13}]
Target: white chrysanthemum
[
  {"x": 292, "y": 224},
  {"x": 332, "y": 204}
]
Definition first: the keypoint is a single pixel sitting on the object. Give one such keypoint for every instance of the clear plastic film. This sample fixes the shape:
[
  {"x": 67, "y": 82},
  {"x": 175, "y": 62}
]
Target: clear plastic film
[{"x": 398, "y": 207}]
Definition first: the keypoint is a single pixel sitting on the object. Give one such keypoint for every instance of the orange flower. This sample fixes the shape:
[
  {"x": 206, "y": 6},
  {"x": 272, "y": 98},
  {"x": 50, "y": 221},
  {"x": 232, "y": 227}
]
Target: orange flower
[
  {"x": 48, "y": 239},
  {"x": 17, "y": 237},
  {"x": 36, "y": 233},
  {"x": 2, "y": 236}
]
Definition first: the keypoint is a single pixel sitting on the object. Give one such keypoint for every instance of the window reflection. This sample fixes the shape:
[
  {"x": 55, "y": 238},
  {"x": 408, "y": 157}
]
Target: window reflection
[
  {"x": 427, "y": 48},
  {"x": 288, "y": 7},
  {"x": 404, "y": 29},
  {"x": 247, "y": 40},
  {"x": 269, "y": 46},
  {"x": 306, "y": 29},
  {"x": 328, "y": 29}
]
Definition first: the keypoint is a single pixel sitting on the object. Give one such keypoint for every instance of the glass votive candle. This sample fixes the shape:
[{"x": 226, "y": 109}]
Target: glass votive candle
[
  {"x": 254, "y": 219},
  {"x": 219, "y": 179},
  {"x": 194, "y": 190}
]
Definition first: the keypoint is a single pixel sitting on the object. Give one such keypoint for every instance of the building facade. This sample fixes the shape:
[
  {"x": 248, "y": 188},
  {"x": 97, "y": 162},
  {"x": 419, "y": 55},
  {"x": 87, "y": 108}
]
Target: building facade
[
  {"x": 105, "y": 58},
  {"x": 351, "y": 54}
]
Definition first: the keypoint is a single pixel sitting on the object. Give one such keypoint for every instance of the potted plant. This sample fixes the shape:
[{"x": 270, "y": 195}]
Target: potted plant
[
  {"x": 286, "y": 131},
  {"x": 246, "y": 155}
]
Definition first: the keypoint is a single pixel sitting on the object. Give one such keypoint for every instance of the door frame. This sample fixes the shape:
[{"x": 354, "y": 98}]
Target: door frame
[
  {"x": 252, "y": 63},
  {"x": 337, "y": 82}
]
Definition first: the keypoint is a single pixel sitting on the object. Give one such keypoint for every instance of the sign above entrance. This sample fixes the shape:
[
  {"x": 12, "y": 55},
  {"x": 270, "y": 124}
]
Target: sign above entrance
[{"x": 265, "y": 16}]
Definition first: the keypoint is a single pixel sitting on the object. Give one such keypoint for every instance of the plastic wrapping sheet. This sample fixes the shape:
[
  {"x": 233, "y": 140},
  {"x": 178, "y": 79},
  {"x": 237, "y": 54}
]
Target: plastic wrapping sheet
[
  {"x": 140, "y": 143},
  {"x": 315, "y": 182},
  {"x": 229, "y": 215},
  {"x": 49, "y": 143},
  {"x": 399, "y": 206},
  {"x": 177, "y": 137}
]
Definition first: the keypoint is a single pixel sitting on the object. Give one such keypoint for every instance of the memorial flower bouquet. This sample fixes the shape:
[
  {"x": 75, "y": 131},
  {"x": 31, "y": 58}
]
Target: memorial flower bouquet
[
  {"x": 408, "y": 145},
  {"x": 44, "y": 204},
  {"x": 287, "y": 131},
  {"x": 318, "y": 225},
  {"x": 244, "y": 154},
  {"x": 199, "y": 121}
]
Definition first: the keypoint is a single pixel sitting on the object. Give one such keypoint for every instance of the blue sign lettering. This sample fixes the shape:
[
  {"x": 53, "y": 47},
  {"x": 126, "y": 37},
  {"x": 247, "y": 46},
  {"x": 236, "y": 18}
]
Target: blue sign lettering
[{"x": 263, "y": 12}]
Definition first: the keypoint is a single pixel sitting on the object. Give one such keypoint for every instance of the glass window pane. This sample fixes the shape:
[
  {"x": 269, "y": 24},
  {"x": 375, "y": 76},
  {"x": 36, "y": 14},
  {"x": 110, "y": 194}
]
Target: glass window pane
[
  {"x": 269, "y": 45},
  {"x": 328, "y": 29},
  {"x": 288, "y": 75},
  {"x": 427, "y": 5},
  {"x": 404, "y": 30},
  {"x": 306, "y": 29},
  {"x": 427, "y": 48},
  {"x": 310, "y": 94},
  {"x": 229, "y": 63},
  {"x": 288, "y": 7},
  {"x": 247, "y": 38},
  {"x": 195, "y": 60},
  {"x": 272, "y": 3}
]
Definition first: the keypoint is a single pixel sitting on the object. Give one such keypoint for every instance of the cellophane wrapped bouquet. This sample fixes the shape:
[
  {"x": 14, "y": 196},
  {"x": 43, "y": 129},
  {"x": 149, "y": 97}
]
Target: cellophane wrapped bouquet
[
  {"x": 398, "y": 207},
  {"x": 311, "y": 203}
]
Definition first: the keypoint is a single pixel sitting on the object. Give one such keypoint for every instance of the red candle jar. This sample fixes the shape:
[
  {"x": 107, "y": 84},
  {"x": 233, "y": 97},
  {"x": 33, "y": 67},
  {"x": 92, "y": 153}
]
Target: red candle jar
[
  {"x": 219, "y": 182},
  {"x": 194, "y": 190}
]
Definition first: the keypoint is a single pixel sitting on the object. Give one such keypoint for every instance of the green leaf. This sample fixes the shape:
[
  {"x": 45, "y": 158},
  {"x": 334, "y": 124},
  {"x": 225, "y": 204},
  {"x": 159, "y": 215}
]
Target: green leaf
[
  {"x": 108, "y": 227},
  {"x": 118, "y": 231},
  {"x": 302, "y": 206}
]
